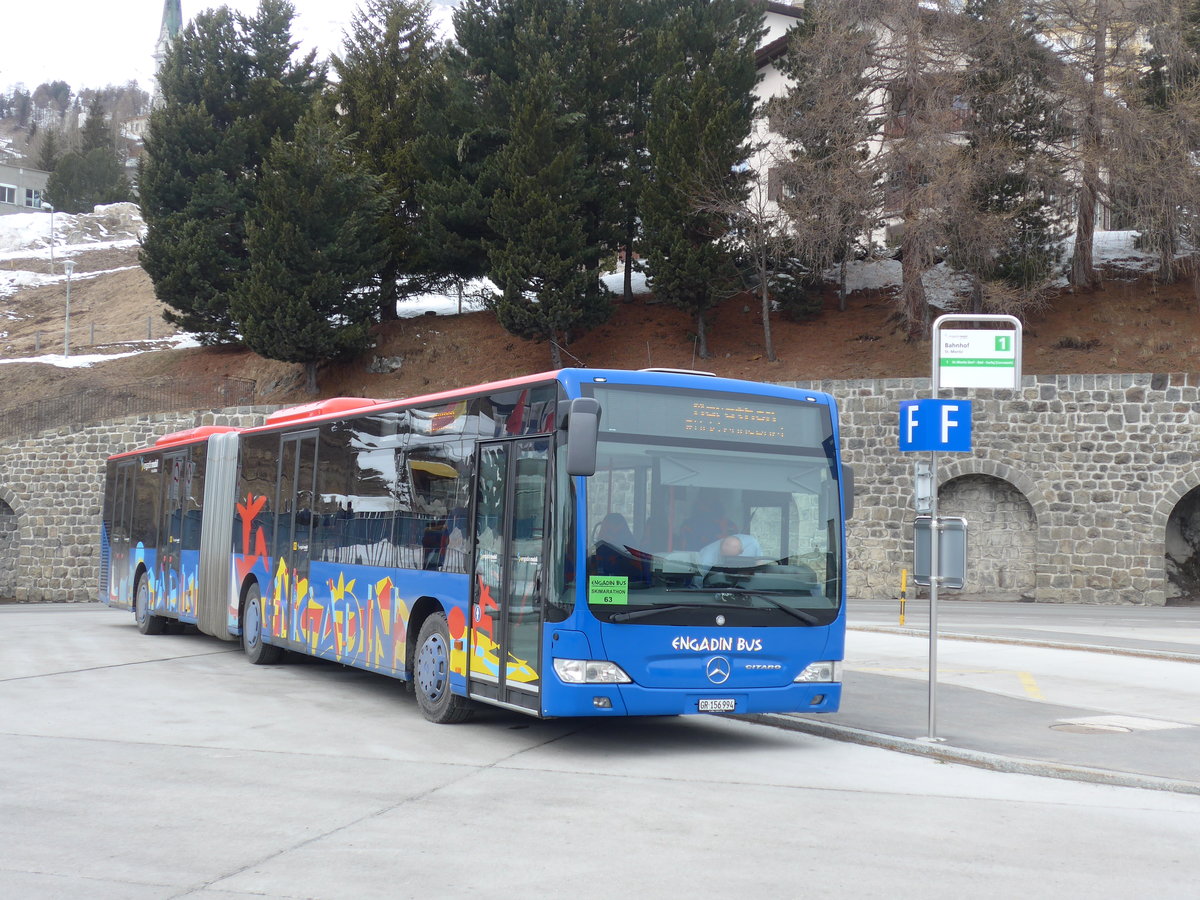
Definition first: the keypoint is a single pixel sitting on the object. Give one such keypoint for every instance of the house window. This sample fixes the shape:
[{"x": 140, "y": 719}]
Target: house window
[
  {"x": 33, "y": 199},
  {"x": 8, "y": 194}
]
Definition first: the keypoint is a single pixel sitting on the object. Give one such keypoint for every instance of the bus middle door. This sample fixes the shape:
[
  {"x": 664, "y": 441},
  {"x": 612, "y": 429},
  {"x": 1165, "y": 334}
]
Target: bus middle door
[
  {"x": 510, "y": 550},
  {"x": 170, "y": 549},
  {"x": 296, "y": 511}
]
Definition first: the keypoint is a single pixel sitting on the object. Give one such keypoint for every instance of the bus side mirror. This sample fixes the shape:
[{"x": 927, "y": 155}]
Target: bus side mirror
[
  {"x": 582, "y": 423},
  {"x": 848, "y": 490}
]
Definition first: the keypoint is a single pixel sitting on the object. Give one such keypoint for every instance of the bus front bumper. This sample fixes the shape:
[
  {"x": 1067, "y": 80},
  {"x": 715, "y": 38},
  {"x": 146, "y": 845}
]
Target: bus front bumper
[{"x": 634, "y": 700}]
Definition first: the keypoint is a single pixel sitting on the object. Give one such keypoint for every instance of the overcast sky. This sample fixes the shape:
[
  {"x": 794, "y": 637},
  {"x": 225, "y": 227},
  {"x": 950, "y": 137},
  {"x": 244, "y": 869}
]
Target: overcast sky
[{"x": 91, "y": 43}]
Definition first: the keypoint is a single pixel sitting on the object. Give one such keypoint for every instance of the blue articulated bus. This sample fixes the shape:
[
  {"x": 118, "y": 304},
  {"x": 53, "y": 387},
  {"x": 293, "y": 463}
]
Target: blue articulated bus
[{"x": 583, "y": 542}]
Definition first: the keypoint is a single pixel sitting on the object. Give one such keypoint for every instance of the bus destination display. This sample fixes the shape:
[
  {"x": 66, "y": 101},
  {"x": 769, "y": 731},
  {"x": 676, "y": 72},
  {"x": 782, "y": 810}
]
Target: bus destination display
[
  {"x": 712, "y": 419},
  {"x": 711, "y": 416}
]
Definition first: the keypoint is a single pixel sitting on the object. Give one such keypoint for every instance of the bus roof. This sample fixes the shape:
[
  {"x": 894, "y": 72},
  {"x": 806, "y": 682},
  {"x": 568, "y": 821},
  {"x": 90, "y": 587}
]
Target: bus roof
[{"x": 571, "y": 378}]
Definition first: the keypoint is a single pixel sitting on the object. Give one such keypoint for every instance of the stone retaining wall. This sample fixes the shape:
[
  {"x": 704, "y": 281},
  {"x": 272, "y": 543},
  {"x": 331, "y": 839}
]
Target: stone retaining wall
[
  {"x": 53, "y": 484},
  {"x": 1068, "y": 492}
]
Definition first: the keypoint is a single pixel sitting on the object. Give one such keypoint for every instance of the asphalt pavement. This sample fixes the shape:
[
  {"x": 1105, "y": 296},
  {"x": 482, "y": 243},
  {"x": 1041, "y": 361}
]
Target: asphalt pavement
[{"x": 1102, "y": 694}]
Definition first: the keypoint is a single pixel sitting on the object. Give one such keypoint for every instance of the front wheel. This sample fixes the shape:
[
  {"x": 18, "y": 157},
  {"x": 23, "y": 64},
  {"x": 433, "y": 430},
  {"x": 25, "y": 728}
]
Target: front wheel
[
  {"x": 431, "y": 674},
  {"x": 147, "y": 622},
  {"x": 257, "y": 650}
]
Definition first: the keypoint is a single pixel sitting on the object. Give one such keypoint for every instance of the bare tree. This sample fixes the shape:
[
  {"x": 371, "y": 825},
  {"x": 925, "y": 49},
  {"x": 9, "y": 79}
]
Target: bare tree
[
  {"x": 1098, "y": 44},
  {"x": 1155, "y": 140},
  {"x": 1006, "y": 219},
  {"x": 821, "y": 173},
  {"x": 759, "y": 232}
]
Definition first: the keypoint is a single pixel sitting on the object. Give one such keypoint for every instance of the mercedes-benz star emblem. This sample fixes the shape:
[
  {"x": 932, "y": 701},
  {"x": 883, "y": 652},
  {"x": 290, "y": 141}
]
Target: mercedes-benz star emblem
[{"x": 717, "y": 670}]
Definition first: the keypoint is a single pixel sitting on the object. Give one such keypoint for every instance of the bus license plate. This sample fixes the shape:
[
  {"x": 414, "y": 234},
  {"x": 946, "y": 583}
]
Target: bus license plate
[{"x": 722, "y": 705}]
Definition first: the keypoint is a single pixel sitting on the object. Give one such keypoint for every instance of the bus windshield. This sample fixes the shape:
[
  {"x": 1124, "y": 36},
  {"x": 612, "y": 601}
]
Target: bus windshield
[{"x": 738, "y": 517}]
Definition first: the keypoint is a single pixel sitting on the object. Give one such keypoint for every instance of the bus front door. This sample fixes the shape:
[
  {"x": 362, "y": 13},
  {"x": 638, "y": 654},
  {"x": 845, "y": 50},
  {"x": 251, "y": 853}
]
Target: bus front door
[
  {"x": 510, "y": 550},
  {"x": 295, "y": 506},
  {"x": 120, "y": 564},
  {"x": 170, "y": 544}
]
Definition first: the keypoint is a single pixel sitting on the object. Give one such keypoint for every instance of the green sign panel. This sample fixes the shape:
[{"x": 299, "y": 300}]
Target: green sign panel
[
  {"x": 977, "y": 358},
  {"x": 608, "y": 590}
]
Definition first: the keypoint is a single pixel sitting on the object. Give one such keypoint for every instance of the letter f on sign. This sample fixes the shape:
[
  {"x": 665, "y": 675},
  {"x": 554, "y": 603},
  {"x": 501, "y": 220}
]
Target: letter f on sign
[
  {"x": 910, "y": 422},
  {"x": 948, "y": 422}
]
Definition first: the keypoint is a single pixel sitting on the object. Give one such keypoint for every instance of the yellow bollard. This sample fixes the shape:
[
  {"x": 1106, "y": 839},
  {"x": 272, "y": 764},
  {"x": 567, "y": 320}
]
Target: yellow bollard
[{"x": 903, "y": 592}]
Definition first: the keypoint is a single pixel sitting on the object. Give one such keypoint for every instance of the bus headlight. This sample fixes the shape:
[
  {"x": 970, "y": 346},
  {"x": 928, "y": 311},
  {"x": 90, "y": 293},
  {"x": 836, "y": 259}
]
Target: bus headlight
[
  {"x": 590, "y": 671},
  {"x": 826, "y": 670}
]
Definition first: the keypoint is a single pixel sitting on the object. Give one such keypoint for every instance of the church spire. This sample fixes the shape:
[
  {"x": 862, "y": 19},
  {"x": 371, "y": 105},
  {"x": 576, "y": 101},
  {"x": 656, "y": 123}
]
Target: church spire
[{"x": 172, "y": 22}]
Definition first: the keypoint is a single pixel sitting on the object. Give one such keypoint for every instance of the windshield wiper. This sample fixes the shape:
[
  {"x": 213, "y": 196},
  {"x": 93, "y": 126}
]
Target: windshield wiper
[
  {"x": 806, "y": 618},
  {"x": 642, "y": 613}
]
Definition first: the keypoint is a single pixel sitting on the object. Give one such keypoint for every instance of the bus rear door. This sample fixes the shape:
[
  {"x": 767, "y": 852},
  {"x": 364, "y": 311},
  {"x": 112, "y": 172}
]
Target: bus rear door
[
  {"x": 509, "y": 582},
  {"x": 296, "y": 504}
]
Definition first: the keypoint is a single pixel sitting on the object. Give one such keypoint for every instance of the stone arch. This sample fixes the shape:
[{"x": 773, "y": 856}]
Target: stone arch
[
  {"x": 1176, "y": 517},
  {"x": 10, "y": 525},
  {"x": 1001, "y": 509}
]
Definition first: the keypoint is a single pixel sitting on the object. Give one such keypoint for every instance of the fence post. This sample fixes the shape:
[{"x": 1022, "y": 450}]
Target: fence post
[
  {"x": 92, "y": 335},
  {"x": 37, "y": 342},
  {"x": 149, "y": 326}
]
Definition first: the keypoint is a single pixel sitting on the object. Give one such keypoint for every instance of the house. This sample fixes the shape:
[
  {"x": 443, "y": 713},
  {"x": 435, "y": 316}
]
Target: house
[{"x": 21, "y": 188}]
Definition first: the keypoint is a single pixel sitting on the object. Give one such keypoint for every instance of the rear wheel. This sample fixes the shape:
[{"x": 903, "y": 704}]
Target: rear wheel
[
  {"x": 147, "y": 622},
  {"x": 258, "y": 651},
  {"x": 431, "y": 675}
]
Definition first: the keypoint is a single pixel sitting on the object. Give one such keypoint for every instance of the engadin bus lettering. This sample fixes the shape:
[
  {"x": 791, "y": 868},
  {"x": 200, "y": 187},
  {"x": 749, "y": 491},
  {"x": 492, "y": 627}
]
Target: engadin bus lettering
[
  {"x": 715, "y": 644},
  {"x": 539, "y": 544}
]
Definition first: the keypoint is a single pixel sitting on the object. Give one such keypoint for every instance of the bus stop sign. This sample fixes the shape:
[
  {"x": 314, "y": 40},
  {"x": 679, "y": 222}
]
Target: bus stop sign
[{"x": 939, "y": 425}]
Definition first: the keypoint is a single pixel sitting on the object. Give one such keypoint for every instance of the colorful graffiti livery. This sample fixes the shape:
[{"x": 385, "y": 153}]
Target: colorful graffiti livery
[{"x": 575, "y": 543}]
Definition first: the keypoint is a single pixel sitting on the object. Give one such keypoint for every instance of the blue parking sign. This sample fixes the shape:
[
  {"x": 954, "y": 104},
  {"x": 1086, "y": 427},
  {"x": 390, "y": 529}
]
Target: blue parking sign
[{"x": 935, "y": 425}]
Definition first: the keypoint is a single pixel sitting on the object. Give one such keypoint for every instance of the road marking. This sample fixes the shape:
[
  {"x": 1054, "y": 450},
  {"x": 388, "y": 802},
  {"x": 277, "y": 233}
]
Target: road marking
[
  {"x": 1031, "y": 686},
  {"x": 1133, "y": 723}
]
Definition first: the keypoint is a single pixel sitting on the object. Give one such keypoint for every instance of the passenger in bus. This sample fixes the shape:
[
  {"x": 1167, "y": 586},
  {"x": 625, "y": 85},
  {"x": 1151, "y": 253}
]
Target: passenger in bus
[{"x": 614, "y": 553}]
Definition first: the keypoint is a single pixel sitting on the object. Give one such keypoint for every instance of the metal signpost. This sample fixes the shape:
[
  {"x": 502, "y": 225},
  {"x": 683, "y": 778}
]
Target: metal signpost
[{"x": 978, "y": 357}]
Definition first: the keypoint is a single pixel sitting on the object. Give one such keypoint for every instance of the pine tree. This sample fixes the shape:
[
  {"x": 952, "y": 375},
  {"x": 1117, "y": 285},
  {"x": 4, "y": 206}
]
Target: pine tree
[
  {"x": 637, "y": 25},
  {"x": 388, "y": 76},
  {"x": 565, "y": 48},
  {"x": 229, "y": 86},
  {"x": 540, "y": 257},
  {"x": 49, "y": 151},
  {"x": 314, "y": 251},
  {"x": 701, "y": 111},
  {"x": 80, "y": 182},
  {"x": 96, "y": 133}
]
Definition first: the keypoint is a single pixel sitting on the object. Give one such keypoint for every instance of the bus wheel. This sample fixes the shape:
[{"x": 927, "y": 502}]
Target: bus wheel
[
  {"x": 432, "y": 675},
  {"x": 147, "y": 622},
  {"x": 258, "y": 651}
]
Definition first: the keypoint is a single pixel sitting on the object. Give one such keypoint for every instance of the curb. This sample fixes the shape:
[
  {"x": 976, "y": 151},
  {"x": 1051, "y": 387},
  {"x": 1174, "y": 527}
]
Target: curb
[
  {"x": 1167, "y": 655},
  {"x": 977, "y": 758}
]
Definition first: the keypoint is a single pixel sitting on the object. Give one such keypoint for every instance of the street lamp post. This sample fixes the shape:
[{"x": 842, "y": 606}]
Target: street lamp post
[
  {"x": 68, "y": 267},
  {"x": 50, "y": 207}
]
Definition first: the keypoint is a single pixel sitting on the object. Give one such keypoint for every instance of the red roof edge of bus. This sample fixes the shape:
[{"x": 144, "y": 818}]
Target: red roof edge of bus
[
  {"x": 320, "y": 408},
  {"x": 192, "y": 434},
  {"x": 486, "y": 387}
]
